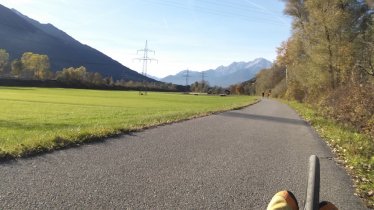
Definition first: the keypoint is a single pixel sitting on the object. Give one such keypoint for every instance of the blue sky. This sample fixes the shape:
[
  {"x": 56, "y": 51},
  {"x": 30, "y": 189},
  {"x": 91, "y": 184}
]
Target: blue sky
[{"x": 194, "y": 34}]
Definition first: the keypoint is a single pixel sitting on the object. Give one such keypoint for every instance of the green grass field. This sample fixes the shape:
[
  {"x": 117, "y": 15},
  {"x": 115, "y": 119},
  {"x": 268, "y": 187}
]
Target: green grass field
[{"x": 42, "y": 119}]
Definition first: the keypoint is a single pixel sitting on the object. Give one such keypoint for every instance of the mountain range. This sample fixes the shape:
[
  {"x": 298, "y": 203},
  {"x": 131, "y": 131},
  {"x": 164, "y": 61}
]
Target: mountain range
[
  {"x": 223, "y": 76},
  {"x": 19, "y": 34}
]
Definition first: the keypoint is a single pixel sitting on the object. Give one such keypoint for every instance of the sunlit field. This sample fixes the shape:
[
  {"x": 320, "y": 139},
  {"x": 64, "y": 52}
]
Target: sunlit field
[{"x": 40, "y": 119}]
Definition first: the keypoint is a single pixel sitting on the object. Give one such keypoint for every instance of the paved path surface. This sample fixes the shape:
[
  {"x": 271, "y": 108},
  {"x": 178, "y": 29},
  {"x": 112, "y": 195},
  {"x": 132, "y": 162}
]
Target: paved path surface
[{"x": 232, "y": 160}]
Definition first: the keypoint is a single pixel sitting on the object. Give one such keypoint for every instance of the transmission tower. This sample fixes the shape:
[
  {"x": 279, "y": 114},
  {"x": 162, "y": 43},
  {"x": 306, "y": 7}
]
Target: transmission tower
[
  {"x": 145, "y": 60},
  {"x": 203, "y": 76},
  {"x": 187, "y": 75}
]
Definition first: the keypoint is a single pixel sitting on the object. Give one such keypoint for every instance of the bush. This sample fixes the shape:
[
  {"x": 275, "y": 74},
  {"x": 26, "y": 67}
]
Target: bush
[
  {"x": 295, "y": 91},
  {"x": 280, "y": 89},
  {"x": 352, "y": 105}
]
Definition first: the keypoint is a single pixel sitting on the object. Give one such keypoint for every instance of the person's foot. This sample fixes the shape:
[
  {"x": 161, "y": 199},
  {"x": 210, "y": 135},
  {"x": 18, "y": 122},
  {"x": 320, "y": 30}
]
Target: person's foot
[
  {"x": 283, "y": 200},
  {"x": 325, "y": 205}
]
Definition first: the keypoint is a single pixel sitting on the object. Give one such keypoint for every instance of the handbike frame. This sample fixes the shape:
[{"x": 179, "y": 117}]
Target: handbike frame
[{"x": 312, "y": 192}]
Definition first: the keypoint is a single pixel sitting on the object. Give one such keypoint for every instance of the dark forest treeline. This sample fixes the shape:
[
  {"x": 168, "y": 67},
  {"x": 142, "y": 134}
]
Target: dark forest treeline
[
  {"x": 34, "y": 69},
  {"x": 328, "y": 61}
]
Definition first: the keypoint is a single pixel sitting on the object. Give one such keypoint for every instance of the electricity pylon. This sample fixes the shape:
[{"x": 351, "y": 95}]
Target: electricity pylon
[
  {"x": 145, "y": 60},
  {"x": 187, "y": 75},
  {"x": 203, "y": 77}
]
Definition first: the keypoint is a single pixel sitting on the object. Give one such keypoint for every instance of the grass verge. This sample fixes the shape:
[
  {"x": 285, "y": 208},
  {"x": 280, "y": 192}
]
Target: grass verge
[
  {"x": 35, "y": 120},
  {"x": 354, "y": 150}
]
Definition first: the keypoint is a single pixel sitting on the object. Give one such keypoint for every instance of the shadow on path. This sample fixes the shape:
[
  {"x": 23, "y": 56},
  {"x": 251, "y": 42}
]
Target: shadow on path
[{"x": 264, "y": 118}]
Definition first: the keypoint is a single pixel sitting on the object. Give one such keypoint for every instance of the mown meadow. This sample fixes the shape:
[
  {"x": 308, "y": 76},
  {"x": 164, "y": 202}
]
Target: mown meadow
[{"x": 33, "y": 120}]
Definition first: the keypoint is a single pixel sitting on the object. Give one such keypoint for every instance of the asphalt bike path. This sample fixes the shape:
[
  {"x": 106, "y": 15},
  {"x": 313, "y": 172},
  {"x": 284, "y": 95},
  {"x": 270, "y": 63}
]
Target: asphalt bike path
[{"x": 232, "y": 160}]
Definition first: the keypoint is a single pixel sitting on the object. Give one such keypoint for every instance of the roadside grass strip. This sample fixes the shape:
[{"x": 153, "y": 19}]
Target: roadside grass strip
[
  {"x": 354, "y": 150},
  {"x": 34, "y": 120}
]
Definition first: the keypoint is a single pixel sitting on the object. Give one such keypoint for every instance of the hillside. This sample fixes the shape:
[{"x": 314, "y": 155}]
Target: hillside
[
  {"x": 19, "y": 34},
  {"x": 224, "y": 76}
]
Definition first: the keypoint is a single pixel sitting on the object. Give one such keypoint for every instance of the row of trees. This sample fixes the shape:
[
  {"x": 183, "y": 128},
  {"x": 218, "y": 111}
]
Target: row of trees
[
  {"x": 29, "y": 66},
  {"x": 328, "y": 60},
  {"x": 81, "y": 74},
  {"x": 245, "y": 88},
  {"x": 33, "y": 66},
  {"x": 37, "y": 66},
  {"x": 331, "y": 46},
  {"x": 204, "y": 87}
]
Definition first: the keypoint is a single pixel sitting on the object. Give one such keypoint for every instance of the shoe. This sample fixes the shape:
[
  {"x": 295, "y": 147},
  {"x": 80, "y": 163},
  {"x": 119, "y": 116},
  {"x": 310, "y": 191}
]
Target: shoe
[
  {"x": 283, "y": 200},
  {"x": 325, "y": 205}
]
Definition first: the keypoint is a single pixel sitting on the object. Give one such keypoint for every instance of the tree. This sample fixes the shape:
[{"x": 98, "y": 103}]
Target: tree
[
  {"x": 202, "y": 86},
  {"x": 239, "y": 89},
  {"x": 4, "y": 59},
  {"x": 297, "y": 10},
  {"x": 329, "y": 58},
  {"x": 97, "y": 79},
  {"x": 365, "y": 61},
  {"x": 329, "y": 33},
  {"x": 35, "y": 65},
  {"x": 108, "y": 81},
  {"x": 329, "y": 46},
  {"x": 16, "y": 68},
  {"x": 72, "y": 74}
]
